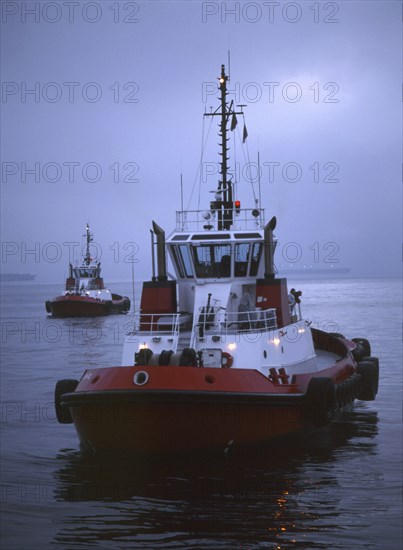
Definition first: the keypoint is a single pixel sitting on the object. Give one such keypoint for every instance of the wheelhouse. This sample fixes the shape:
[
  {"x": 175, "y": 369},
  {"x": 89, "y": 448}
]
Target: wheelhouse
[
  {"x": 216, "y": 256},
  {"x": 86, "y": 272}
]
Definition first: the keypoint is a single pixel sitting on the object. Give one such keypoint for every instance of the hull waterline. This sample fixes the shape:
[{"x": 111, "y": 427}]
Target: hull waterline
[{"x": 82, "y": 306}]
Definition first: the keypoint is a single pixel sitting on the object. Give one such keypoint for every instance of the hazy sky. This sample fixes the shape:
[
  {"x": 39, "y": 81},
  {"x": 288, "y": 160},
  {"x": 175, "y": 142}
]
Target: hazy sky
[{"x": 102, "y": 107}]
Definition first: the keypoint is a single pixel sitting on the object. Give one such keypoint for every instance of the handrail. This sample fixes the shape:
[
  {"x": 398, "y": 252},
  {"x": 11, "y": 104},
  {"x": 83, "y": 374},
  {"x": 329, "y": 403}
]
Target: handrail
[
  {"x": 157, "y": 323},
  {"x": 187, "y": 220},
  {"x": 73, "y": 288},
  {"x": 215, "y": 319}
]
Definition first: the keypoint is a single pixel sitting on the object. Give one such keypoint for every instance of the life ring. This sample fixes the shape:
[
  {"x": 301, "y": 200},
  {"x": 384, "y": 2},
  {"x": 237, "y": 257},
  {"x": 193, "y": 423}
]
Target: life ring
[{"x": 226, "y": 360}]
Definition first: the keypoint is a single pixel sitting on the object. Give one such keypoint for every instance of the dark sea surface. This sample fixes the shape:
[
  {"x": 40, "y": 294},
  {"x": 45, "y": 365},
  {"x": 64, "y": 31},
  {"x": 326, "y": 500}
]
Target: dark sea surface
[{"x": 338, "y": 488}]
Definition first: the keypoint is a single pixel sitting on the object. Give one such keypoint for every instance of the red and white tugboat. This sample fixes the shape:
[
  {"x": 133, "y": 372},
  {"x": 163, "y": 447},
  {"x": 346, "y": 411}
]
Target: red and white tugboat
[
  {"x": 85, "y": 294},
  {"x": 218, "y": 358}
]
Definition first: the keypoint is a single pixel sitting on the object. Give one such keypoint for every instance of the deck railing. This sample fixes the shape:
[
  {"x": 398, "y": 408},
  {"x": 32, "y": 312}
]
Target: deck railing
[
  {"x": 209, "y": 320},
  {"x": 153, "y": 324},
  {"x": 161, "y": 323},
  {"x": 196, "y": 220},
  {"x": 217, "y": 320},
  {"x": 76, "y": 290}
]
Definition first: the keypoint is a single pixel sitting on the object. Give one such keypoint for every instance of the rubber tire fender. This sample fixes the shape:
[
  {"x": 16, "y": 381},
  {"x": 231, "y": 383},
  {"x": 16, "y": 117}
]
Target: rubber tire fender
[
  {"x": 364, "y": 344},
  {"x": 320, "y": 401},
  {"x": 369, "y": 376},
  {"x": 64, "y": 386},
  {"x": 375, "y": 361},
  {"x": 341, "y": 395}
]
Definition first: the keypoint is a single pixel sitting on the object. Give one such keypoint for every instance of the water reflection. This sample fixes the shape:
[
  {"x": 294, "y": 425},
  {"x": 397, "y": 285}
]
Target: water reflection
[
  {"x": 281, "y": 495},
  {"x": 94, "y": 342}
]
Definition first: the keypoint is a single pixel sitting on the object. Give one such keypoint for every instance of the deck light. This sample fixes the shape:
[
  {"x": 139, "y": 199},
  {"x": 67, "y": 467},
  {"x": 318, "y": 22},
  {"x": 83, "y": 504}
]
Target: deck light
[{"x": 232, "y": 346}]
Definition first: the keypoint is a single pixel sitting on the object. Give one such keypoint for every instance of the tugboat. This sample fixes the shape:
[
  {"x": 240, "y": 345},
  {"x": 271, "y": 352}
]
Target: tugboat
[
  {"x": 85, "y": 294},
  {"x": 220, "y": 355}
]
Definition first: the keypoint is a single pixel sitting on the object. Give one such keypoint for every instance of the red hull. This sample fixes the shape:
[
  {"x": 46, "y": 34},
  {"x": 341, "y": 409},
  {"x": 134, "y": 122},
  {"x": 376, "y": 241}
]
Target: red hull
[
  {"x": 83, "y": 306},
  {"x": 187, "y": 426},
  {"x": 186, "y": 408}
]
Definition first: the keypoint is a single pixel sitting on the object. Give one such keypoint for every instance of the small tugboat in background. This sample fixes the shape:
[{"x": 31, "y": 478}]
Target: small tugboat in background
[
  {"x": 85, "y": 294},
  {"x": 220, "y": 355}
]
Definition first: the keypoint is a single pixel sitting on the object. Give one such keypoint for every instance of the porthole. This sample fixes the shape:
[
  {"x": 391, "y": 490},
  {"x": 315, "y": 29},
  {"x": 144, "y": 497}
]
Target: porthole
[{"x": 140, "y": 378}]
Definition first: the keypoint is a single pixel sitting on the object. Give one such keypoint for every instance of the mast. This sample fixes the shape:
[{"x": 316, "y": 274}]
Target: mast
[
  {"x": 88, "y": 236},
  {"x": 223, "y": 204}
]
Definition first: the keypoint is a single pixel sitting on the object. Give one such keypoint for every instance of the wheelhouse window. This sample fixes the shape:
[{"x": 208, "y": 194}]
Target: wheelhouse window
[
  {"x": 177, "y": 262},
  {"x": 255, "y": 259},
  {"x": 212, "y": 260},
  {"x": 242, "y": 252},
  {"x": 85, "y": 273},
  {"x": 183, "y": 261},
  {"x": 247, "y": 253},
  {"x": 187, "y": 262}
]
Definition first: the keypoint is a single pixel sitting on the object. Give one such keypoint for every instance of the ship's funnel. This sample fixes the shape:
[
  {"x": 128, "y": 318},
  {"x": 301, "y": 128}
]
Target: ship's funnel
[
  {"x": 269, "y": 247},
  {"x": 161, "y": 261}
]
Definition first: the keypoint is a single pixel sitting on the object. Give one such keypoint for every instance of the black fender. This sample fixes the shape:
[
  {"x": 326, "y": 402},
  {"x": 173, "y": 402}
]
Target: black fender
[
  {"x": 362, "y": 350},
  {"x": 320, "y": 401},
  {"x": 369, "y": 372},
  {"x": 64, "y": 386}
]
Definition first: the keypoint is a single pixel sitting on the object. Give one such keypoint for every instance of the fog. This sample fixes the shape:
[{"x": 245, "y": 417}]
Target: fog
[{"x": 102, "y": 110}]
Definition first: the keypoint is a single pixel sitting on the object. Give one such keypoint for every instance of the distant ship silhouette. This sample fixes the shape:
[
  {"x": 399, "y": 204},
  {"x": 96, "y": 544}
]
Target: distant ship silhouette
[
  {"x": 4, "y": 277},
  {"x": 315, "y": 271}
]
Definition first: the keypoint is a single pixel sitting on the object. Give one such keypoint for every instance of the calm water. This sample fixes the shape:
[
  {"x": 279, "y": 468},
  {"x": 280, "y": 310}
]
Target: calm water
[{"x": 340, "y": 488}]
